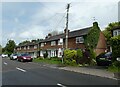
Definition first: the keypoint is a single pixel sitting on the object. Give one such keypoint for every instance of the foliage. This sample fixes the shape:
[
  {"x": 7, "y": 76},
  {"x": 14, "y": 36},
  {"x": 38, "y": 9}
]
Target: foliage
[
  {"x": 46, "y": 60},
  {"x": 9, "y": 48},
  {"x": 79, "y": 56},
  {"x": 115, "y": 67},
  {"x": 107, "y": 31},
  {"x": 115, "y": 43},
  {"x": 70, "y": 56},
  {"x": 93, "y": 36},
  {"x": 92, "y": 57},
  {"x": 79, "y": 53}
]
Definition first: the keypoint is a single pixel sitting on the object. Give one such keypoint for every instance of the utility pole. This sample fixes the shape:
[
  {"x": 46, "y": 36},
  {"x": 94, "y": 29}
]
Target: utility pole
[{"x": 66, "y": 28}]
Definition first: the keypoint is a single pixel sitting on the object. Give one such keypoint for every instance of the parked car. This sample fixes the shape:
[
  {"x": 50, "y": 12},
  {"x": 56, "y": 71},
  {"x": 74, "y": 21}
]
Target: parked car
[
  {"x": 24, "y": 57},
  {"x": 4, "y": 55},
  {"x": 104, "y": 59},
  {"x": 13, "y": 56}
]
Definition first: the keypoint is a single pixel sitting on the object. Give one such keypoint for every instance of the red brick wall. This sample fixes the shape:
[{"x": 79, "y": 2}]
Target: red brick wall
[
  {"x": 71, "y": 44},
  {"x": 101, "y": 46}
]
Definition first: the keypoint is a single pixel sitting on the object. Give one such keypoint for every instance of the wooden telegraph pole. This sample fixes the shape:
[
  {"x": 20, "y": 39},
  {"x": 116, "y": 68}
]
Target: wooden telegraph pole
[{"x": 66, "y": 28}]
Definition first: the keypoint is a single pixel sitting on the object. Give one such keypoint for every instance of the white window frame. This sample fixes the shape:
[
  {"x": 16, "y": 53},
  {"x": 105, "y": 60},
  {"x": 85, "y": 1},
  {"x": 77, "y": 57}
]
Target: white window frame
[
  {"x": 79, "y": 39},
  {"x": 59, "y": 43},
  {"x": 24, "y": 48},
  {"x": 116, "y": 32},
  {"x": 35, "y": 46},
  {"x": 28, "y": 47},
  {"x": 18, "y": 49},
  {"x": 53, "y": 43}
]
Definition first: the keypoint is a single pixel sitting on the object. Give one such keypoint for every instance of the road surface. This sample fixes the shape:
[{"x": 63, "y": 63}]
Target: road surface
[{"x": 30, "y": 73}]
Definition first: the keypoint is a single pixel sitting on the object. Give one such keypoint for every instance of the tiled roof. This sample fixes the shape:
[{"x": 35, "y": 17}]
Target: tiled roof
[
  {"x": 71, "y": 34},
  {"x": 75, "y": 33},
  {"x": 27, "y": 44}
]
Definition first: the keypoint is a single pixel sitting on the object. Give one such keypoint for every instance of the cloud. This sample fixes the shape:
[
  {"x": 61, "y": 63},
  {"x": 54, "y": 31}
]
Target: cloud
[
  {"x": 36, "y": 20},
  {"x": 16, "y": 20},
  {"x": 33, "y": 32}
]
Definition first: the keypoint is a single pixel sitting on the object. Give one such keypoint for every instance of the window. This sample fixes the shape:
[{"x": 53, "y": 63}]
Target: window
[
  {"x": 53, "y": 43},
  {"x": 35, "y": 47},
  {"x": 79, "y": 40},
  {"x": 24, "y": 48},
  {"x": 42, "y": 44},
  {"x": 116, "y": 32},
  {"x": 28, "y": 47},
  {"x": 17, "y": 48},
  {"x": 20, "y": 48},
  {"x": 60, "y": 43}
]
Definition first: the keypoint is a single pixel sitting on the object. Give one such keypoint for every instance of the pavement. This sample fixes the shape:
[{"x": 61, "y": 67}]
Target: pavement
[{"x": 100, "y": 71}]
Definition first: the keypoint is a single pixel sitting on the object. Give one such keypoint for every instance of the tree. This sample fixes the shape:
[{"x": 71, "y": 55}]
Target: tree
[
  {"x": 107, "y": 31},
  {"x": 9, "y": 48},
  {"x": 115, "y": 43}
]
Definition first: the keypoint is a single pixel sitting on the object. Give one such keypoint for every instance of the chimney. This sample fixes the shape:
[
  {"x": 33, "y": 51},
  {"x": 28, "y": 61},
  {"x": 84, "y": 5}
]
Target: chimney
[
  {"x": 46, "y": 37},
  {"x": 95, "y": 24},
  {"x": 49, "y": 35}
]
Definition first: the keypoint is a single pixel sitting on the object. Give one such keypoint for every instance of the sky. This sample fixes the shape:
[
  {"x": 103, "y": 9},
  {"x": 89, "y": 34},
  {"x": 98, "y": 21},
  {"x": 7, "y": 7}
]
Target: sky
[{"x": 34, "y": 19}]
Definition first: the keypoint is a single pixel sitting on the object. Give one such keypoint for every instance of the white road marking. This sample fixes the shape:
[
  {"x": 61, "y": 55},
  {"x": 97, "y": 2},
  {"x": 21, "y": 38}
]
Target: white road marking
[
  {"x": 60, "y": 85},
  {"x": 5, "y": 63},
  {"x": 20, "y": 69}
]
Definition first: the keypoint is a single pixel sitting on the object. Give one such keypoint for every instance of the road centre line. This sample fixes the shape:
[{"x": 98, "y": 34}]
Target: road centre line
[
  {"x": 5, "y": 63},
  {"x": 61, "y": 85},
  {"x": 20, "y": 69}
]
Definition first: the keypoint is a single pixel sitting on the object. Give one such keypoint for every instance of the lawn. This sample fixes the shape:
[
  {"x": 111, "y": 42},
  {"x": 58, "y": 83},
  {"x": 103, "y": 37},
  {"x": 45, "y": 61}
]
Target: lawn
[{"x": 49, "y": 61}]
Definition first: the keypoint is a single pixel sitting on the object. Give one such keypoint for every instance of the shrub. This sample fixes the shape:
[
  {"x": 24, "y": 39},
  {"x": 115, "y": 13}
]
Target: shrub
[
  {"x": 92, "y": 57},
  {"x": 115, "y": 67},
  {"x": 79, "y": 56},
  {"x": 69, "y": 56},
  {"x": 115, "y": 43}
]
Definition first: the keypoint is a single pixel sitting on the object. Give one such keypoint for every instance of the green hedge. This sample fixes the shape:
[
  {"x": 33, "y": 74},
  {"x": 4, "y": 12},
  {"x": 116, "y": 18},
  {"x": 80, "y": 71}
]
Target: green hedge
[{"x": 115, "y": 43}]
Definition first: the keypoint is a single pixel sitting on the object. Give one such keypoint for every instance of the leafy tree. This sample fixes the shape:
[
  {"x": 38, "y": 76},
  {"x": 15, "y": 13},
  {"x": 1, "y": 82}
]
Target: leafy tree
[
  {"x": 107, "y": 31},
  {"x": 115, "y": 43},
  {"x": 93, "y": 36},
  {"x": 9, "y": 48}
]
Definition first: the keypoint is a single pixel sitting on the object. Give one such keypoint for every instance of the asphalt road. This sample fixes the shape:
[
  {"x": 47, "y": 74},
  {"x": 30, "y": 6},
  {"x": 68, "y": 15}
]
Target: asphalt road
[{"x": 29, "y": 73}]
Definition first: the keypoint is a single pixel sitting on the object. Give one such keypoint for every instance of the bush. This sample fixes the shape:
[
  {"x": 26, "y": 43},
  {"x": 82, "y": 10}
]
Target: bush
[
  {"x": 92, "y": 57},
  {"x": 79, "y": 56},
  {"x": 115, "y": 67},
  {"x": 115, "y": 43},
  {"x": 69, "y": 56}
]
